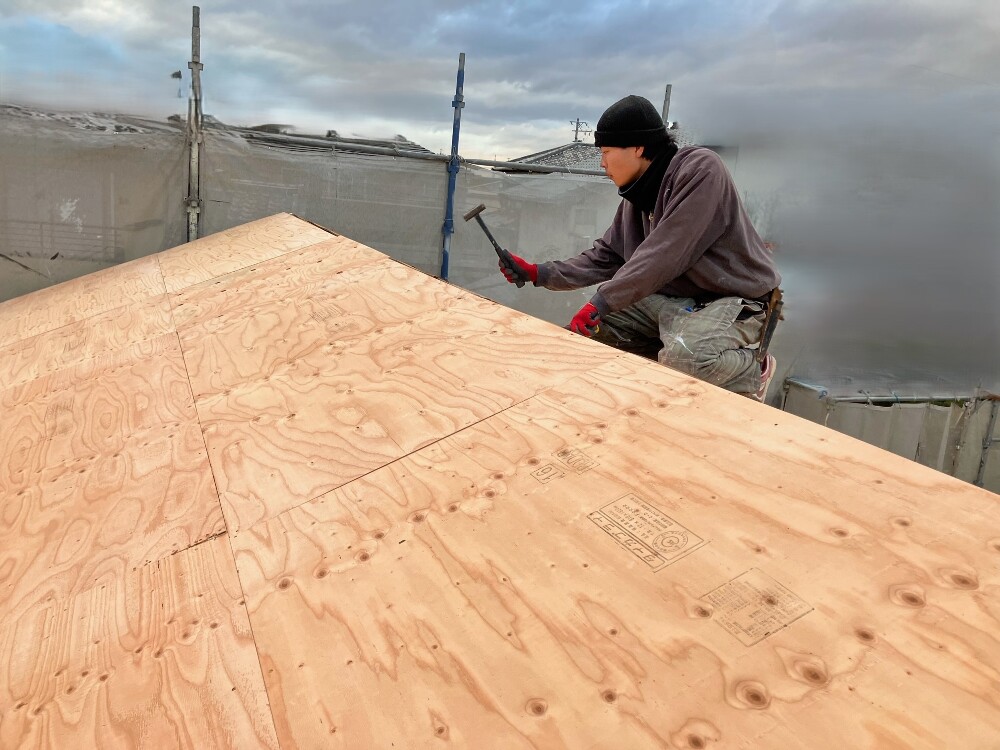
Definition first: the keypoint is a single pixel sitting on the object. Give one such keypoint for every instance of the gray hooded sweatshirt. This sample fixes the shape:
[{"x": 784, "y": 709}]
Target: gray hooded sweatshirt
[{"x": 697, "y": 242}]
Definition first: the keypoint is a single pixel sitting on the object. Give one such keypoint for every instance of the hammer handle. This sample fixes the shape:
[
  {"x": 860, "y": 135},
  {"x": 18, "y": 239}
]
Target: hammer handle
[
  {"x": 504, "y": 256},
  {"x": 489, "y": 234}
]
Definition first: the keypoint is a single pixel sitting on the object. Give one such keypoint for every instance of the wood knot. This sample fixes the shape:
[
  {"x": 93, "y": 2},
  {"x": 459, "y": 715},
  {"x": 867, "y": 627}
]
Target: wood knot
[
  {"x": 960, "y": 579},
  {"x": 753, "y": 694},
  {"x": 811, "y": 673},
  {"x": 838, "y": 532},
  {"x": 907, "y": 595},
  {"x": 609, "y": 696},
  {"x": 902, "y": 522},
  {"x": 537, "y": 707},
  {"x": 364, "y": 556},
  {"x": 701, "y": 611},
  {"x": 864, "y": 635},
  {"x": 284, "y": 583},
  {"x": 696, "y": 741}
]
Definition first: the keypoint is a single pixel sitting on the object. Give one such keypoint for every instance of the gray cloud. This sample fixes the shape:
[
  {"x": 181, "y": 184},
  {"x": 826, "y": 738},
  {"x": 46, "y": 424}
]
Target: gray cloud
[{"x": 531, "y": 66}]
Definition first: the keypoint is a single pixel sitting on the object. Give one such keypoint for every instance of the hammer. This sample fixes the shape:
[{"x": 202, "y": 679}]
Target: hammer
[{"x": 505, "y": 259}]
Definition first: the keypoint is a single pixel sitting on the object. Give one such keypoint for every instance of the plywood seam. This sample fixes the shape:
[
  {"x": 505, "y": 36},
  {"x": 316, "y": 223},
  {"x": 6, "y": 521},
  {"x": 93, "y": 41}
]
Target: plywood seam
[
  {"x": 396, "y": 460},
  {"x": 253, "y": 637},
  {"x": 209, "y": 538},
  {"x": 318, "y": 226},
  {"x": 76, "y": 363},
  {"x": 54, "y": 331},
  {"x": 180, "y": 289},
  {"x": 201, "y": 427}
]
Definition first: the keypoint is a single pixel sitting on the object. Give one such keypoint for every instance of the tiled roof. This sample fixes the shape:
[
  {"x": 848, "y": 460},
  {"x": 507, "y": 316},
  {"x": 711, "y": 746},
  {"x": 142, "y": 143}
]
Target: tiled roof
[
  {"x": 578, "y": 155},
  {"x": 585, "y": 155}
]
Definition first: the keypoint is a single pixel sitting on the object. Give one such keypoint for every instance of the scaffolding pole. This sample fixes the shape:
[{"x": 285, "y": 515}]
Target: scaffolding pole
[
  {"x": 194, "y": 130},
  {"x": 454, "y": 162}
]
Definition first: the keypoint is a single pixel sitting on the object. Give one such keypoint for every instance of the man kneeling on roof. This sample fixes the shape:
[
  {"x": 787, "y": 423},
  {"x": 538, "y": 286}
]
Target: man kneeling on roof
[{"x": 682, "y": 267}]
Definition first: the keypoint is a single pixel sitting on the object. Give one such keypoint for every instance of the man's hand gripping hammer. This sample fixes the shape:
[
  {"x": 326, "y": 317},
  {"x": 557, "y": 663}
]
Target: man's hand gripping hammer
[{"x": 504, "y": 256}]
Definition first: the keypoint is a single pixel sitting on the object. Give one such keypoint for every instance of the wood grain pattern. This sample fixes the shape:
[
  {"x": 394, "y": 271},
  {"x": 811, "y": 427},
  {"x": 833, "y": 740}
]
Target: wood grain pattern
[
  {"x": 454, "y": 526},
  {"x": 256, "y": 342},
  {"x": 343, "y": 409},
  {"x": 463, "y": 593},
  {"x": 79, "y": 299},
  {"x": 295, "y": 275},
  {"x": 74, "y": 343},
  {"x": 156, "y": 656},
  {"x": 101, "y": 476},
  {"x": 224, "y": 252}
]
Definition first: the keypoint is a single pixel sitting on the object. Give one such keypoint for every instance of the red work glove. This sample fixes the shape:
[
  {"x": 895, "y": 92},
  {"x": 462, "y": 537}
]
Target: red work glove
[
  {"x": 587, "y": 321},
  {"x": 517, "y": 270}
]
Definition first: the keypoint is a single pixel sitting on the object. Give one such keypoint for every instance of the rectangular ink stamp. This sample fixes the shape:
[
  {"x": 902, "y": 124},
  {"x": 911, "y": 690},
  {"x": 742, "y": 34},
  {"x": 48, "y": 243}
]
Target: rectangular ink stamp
[
  {"x": 646, "y": 532},
  {"x": 753, "y": 606}
]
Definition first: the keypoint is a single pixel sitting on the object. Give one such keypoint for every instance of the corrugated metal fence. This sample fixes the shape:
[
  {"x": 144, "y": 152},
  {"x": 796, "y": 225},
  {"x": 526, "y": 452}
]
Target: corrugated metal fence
[{"x": 959, "y": 436}]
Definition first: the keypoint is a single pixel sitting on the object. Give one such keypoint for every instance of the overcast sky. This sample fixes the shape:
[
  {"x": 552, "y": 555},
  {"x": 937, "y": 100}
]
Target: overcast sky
[{"x": 382, "y": 68}]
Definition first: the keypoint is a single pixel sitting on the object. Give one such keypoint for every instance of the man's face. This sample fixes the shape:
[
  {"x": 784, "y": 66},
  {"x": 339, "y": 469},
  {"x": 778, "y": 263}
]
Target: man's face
[{"x": 623, "y": 165}]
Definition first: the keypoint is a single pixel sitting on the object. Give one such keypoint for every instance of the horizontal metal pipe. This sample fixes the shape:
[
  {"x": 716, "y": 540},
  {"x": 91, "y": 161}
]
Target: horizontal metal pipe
[
  {"x": 345, "y": 145},
  {"x": 882, "y": 397},
  {"x": 405, "y": 154},
  {"x": 540, "y": 168}
]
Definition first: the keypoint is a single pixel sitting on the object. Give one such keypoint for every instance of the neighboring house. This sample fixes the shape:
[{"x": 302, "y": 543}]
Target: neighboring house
[{"x": 580, "y": 155}]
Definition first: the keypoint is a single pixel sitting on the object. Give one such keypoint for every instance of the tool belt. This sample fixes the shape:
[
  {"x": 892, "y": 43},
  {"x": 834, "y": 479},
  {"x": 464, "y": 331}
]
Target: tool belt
[{"x": 773, "y": 304}]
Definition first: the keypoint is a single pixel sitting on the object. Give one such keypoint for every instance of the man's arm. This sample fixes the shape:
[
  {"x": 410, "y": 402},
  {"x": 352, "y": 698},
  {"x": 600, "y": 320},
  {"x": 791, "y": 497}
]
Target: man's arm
[
  {"x": 592, "y": 266},
  {"x": 693, "y": 220}
]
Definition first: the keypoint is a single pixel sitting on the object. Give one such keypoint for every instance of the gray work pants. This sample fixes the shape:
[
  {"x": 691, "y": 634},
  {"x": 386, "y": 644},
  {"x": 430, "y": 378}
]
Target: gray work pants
[{"x": 716, "y": 342}]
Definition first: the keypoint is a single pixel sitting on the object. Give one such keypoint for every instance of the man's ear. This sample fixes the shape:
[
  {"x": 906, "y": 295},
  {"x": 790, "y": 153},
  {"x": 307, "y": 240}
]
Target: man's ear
[{"x": 640, "y": 151}]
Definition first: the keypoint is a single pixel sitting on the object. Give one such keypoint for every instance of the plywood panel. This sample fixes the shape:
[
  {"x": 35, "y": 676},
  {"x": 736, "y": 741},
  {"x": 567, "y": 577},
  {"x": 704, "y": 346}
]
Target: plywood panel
[
  {"x": 454, "y": 524},
  {"x": 260, "y": 340},
  {"x": 79, "y": 299},
  {"x": 83, "y": 340},
  {"x": 156, "y": 656},
  {"x": 340, "y": 411},
  {"x": 294, "y": 275},
  {"x": 225, "y": 252},
  {"x": 101, "y": 476},
  {"x": 547, "y": 579}
]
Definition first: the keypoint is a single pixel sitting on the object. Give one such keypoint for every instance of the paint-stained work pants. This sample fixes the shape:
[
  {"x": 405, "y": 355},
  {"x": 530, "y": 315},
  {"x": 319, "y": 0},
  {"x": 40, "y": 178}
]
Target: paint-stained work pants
[{"x": 716, "y": 342}]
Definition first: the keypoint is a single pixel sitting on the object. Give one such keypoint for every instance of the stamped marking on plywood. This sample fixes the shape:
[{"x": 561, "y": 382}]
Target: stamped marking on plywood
[
  {"x": 646, "y": 532},
  {"x": 325, "y": 312},
  {"x": 575, "y": 459},
  {"x": 753, "y": 606},
  {"x": 547, "y": 472}
]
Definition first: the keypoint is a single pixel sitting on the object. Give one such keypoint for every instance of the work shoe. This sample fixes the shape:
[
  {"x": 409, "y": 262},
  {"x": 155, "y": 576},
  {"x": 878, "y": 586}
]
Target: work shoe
[{"x": 766, "y": 373}]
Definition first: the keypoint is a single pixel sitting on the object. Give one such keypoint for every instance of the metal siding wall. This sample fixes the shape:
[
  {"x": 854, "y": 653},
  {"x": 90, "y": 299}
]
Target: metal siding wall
[{"x": 946, "y": 438}]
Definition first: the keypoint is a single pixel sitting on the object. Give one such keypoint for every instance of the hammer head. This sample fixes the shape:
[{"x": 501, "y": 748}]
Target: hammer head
[{"x": 475, "y": 212}]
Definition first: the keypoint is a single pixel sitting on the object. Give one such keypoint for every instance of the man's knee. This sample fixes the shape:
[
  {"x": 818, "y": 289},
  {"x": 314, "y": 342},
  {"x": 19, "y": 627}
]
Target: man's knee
[{"x": 706, "y": 362}]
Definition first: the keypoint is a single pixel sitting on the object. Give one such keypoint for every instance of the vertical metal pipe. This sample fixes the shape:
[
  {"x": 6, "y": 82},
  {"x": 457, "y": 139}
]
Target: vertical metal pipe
[
  {"x": 453, "y": 165},
  {"x": 195, "y": 137},
  {"x": 988, "y": 442},
  {"x": 666, "y": 104}
]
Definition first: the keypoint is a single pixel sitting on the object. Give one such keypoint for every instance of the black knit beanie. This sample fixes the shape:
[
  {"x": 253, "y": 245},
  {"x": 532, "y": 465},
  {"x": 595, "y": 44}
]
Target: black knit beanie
[{"x": 632, "y": 121}]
